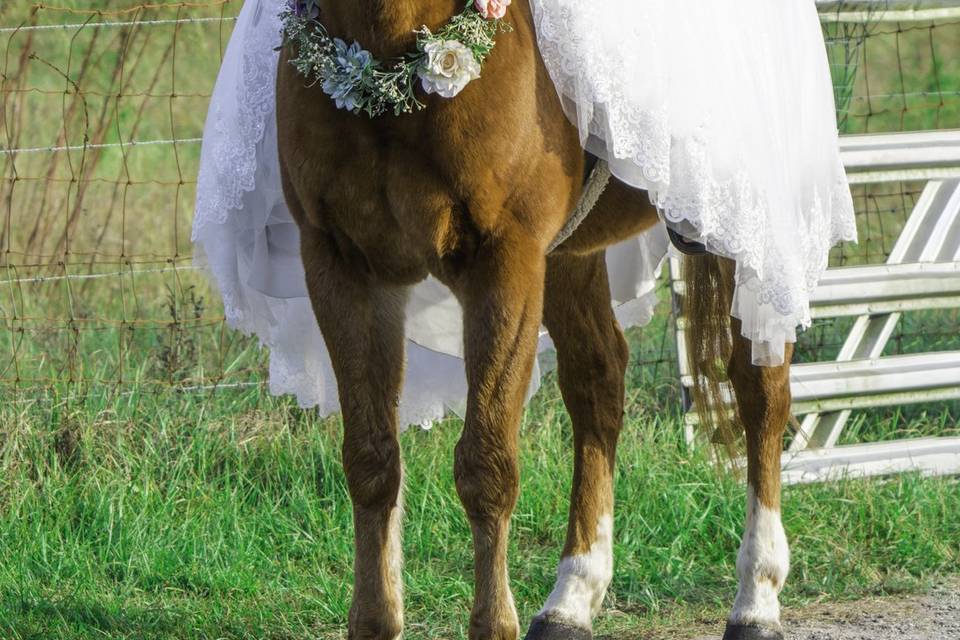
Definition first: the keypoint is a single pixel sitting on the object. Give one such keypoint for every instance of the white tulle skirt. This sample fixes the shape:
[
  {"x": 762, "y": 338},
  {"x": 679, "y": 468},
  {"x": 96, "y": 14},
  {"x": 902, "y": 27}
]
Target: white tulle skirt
[{"x": 723, "y": 110}]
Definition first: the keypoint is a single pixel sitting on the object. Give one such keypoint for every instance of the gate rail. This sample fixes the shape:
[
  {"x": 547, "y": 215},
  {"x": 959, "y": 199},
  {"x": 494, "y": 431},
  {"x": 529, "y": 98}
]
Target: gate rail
[{"x": 921, "y": 272}]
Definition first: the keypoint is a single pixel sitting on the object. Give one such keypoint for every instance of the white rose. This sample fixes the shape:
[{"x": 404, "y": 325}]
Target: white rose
[{"x": 448, "y": 67}]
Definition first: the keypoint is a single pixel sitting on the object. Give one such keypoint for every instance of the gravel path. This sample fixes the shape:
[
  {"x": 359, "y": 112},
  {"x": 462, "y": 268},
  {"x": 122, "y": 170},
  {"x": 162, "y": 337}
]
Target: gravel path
[{"x": 933, "y": 616}]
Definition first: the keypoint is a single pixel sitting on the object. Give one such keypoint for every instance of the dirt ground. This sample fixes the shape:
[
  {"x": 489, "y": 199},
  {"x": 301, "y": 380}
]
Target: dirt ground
[{"x": 934, "y": 616}]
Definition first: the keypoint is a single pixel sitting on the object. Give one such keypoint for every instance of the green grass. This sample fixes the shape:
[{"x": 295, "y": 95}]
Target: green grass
[
  {"x": 184, "y": 516},
  {"x": 132, "y": 509}
]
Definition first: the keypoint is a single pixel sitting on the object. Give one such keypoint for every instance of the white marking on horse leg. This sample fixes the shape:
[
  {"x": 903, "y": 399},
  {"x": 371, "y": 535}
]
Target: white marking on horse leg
[
  {"x": 762, "y": 566},
  {"x": 582, "y": 581},
  {"x": 394, "y": 553}
]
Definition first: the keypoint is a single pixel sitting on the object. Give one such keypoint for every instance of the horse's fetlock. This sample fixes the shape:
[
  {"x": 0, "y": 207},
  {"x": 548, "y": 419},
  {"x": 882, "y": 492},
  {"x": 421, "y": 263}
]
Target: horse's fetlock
[
  {"x": 506, "y": 627},
  {"x": 762, "y": 567},
  {"x": 383, "y": 627}
]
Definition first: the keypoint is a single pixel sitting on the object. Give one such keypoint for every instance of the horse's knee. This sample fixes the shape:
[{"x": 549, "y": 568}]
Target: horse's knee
[
  {"x": 373, "y": 470},
  {"x": 602, "y": 358},
  {"x": 618, "y": 357},
  {"x": 487, "y": 477},
  {"x": 592, "y": 374}
]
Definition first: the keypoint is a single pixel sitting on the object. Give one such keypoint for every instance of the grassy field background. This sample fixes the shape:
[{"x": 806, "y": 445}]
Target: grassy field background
[
  {"x": 137, "y": 503},
  {"x": 165, "y": 516}
]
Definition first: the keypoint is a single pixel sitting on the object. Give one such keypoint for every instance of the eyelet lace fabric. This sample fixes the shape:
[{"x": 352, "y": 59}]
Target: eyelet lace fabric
[
  {"x": 724, "y": 112},
  {"x": 244, "y": 235}
]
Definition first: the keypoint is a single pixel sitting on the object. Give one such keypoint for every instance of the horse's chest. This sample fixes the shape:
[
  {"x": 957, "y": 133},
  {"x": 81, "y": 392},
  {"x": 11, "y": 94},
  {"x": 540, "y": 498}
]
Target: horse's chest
[{"x": 385, "y": 199}]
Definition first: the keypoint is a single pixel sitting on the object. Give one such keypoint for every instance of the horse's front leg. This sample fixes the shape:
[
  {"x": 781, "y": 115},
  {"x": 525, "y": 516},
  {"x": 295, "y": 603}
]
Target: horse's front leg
[
  {"x": 362, "y": 325},
  {"x": 592, "y": 357},
  {"x": 501, "y": 292},
  {"x": 763, "y": 395}
]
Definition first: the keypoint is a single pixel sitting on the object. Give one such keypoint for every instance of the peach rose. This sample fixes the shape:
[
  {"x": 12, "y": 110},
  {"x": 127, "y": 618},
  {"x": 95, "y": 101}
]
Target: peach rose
[{"x": 492, "y": 9}]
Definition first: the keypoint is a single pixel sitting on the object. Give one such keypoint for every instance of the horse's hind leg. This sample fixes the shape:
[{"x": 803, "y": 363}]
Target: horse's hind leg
[
  {"x": 501, "y": 292},
  {"x": 763, "y": 394},
  {"x": 592, "y": 355},
  {"x": 362, "y": 325}
]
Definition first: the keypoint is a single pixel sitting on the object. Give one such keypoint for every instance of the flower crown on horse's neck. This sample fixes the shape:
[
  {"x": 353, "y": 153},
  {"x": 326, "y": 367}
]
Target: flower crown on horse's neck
[{"x": 444, "y": 62}]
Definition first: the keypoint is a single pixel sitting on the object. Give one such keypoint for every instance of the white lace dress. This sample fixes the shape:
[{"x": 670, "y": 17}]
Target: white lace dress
[
  {"x": 725, "y": 114},
  {"x": 724, "y": 111}
]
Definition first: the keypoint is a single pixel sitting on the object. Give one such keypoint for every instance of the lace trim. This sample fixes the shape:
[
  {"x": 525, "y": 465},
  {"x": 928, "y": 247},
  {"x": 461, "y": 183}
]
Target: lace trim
[
  {"x": 239, "y": 124},
  {"x": 729, "y": 216}
]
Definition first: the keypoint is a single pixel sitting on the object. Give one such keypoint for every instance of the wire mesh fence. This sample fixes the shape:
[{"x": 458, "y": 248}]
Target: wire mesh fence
[
  {"x": 102, "y": 113},
  {"x": 101, "y": 123},
  {"x": 890, "y": 76}
]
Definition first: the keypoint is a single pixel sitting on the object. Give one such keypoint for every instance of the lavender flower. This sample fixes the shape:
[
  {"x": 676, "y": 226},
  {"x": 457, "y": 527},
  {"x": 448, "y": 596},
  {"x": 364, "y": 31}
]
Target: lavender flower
[{"x": 309, "y": 9}]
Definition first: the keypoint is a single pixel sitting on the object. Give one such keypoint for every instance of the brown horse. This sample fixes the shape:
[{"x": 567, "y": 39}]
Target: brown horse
[{"x": 473, "y": 190}]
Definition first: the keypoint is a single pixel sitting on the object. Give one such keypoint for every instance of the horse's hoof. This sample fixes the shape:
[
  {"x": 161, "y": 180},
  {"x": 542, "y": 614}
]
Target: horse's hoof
[
  {"x": 750, "y": 632},
  {"x": 543, "y": 629}
]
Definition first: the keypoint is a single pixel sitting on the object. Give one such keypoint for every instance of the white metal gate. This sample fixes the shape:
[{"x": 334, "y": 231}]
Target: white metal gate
[{"x": 921, "y": 272}]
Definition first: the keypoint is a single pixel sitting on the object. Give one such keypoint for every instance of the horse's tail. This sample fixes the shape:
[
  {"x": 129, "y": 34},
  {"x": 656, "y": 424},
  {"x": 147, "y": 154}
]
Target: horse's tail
[{"x": 706, "y": 307}]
